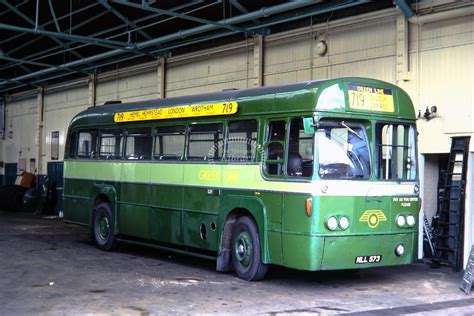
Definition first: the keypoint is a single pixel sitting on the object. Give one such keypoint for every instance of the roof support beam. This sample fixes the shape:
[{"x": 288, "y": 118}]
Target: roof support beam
[
  {"x": 241, "y": 8},
  {"x": 21, "y": 61},
  {"x": 83, "y": 39},
  {"x": 405, "y": 7},
  {"x": 5, "y": 56},
  {"x": 37, "y": 15},
  {"x": 16, "y": 6},
  {"x": 50, "y": 22},
  {"x": 189, "y": 32},
  {"x": 44, "y": 54},
  {"x": 131, "y": 24},
  {"x": 221, "y": 24},
  {"x": 27, "y": 19},
  {"x": 55, "y": 20}
]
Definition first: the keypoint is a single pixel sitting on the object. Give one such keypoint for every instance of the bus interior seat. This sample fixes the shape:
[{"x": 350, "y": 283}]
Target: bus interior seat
[{"x": 295, "y": 162}]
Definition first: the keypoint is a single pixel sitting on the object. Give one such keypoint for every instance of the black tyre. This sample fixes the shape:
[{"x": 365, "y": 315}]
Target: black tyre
[
  {"x": 103, "y": 233},
  {"x": 246, "y": 257}
]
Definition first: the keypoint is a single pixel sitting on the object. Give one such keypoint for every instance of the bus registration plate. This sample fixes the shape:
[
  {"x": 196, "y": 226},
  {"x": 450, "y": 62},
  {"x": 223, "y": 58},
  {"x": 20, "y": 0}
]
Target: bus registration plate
[{"x": 368, "y": 259}]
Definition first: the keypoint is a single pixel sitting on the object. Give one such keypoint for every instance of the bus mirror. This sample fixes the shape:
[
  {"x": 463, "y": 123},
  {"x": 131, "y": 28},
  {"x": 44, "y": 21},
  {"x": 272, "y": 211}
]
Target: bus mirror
[{"x": 308, "y": 125}]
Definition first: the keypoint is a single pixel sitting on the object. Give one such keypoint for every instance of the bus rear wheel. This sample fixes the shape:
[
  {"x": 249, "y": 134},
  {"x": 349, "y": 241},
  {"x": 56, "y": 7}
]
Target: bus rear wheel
[
  {"x": 246, "y": 258},
  {"x": 103, "y": 227}
]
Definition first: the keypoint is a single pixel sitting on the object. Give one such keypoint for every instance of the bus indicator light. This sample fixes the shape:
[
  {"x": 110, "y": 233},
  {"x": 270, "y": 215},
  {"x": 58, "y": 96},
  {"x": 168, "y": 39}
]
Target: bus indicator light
[{"x": 309, "y": 206}]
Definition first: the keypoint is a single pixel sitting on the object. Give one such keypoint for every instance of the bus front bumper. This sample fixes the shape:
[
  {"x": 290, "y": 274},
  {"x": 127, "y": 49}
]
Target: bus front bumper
[{"x": 350, "y": 252}]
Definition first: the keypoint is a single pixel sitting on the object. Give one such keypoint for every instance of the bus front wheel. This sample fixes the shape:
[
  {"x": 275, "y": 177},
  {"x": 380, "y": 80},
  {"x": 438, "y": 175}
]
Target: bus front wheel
[
  {"x": 246, "y": 258},
  {"x": 103, "y": 227}
]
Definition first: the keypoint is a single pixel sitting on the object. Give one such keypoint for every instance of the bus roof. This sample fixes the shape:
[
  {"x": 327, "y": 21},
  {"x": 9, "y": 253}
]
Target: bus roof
[{"x": 330, "y": 95}]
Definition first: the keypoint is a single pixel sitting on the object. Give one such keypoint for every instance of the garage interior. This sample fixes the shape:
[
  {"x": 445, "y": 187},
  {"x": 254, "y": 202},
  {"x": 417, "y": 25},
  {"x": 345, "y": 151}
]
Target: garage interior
[{"x": 57, "y": 58}]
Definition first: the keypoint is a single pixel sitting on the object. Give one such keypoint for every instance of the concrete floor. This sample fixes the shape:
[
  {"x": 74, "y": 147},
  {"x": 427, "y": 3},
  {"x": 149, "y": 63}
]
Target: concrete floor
[{"x": 50, "y": 268}]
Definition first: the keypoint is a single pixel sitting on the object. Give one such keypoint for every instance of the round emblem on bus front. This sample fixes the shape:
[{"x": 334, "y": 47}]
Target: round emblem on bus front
[{"x": 373, "y": 218}]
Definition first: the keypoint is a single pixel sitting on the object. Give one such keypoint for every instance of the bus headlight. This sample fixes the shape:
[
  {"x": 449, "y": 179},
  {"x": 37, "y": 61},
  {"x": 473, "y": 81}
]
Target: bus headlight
[
  {"x": 332, "y": 223},
  {"x": 411, "y": 220},
  {"x": 343, "y": 223},
  {"x": 400, "y": 221}
]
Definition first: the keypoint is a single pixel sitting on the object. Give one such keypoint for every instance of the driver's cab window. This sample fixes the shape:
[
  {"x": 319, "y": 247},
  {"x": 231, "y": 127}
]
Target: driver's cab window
[
  {"x": 343, "y": 151},
  {"x": 300, "y": 150},
  {"x": 396, "y": 151}
]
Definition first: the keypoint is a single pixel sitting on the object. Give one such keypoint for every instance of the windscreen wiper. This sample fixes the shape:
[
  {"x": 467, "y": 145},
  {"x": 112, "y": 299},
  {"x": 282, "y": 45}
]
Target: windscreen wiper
[{"x": 351, "y": 130}]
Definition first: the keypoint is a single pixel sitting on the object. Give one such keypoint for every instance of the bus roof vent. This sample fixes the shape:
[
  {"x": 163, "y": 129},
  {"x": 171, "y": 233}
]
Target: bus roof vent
[
  {"x": 112, "y": 102},
  {"x": 230, "y": 89}
]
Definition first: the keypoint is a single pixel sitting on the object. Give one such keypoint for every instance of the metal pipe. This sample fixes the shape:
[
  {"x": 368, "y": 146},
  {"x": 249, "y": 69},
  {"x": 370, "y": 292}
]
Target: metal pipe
[
  {"x": 124, "y": 19},
  {"x": 79, "y": 38},
  {"x": 444, "y": 15},
  {"x": 53, "y": 14},
  {"x": 16, "y": 6},
  {"x": 20, "y": 61},
  {"x": 405, "y": 8},
  {"x": 37, "y": 14}
]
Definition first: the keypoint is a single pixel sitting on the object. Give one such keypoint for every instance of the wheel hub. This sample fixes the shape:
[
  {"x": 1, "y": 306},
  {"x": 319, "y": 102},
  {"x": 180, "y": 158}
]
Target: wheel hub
[
  {"x": 243, "y": 249},
  {"x": 104, "y": 228}
]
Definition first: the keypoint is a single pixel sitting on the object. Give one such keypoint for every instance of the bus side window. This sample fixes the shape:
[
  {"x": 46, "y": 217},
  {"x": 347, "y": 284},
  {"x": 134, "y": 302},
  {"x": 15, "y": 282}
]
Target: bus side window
[
  {"x": 205, "y": 141},
  {"x": 241, "y": 141},
  {"x": 139, "y": 143},
  {"x": 275, "y": 148},
  {"x": 300, "y": 151},
  {"x": 169, "y": 142},
  {"x": 87, "y": 147},
  {"x": 111, "y": 144}
]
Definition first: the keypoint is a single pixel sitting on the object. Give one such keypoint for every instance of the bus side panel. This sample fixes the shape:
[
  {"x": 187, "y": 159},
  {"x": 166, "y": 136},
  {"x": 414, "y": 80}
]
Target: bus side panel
[
  {"x": 133, "y": 215},
  {"x": 201, "y": 206},
  {"x": 134, "y": 210},
  {"x": 166, "y": 213},
  {"x": 76, "y": 201},
  {"x": 201, "y": 202},
  {"x": 76, "y": 193},
  {"x": 296, "y": 235},
  {"x": 166, "y": 202}
]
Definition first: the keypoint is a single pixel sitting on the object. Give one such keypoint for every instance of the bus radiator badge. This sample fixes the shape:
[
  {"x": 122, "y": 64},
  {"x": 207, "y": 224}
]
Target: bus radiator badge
[{"x": 373, "y": 218}]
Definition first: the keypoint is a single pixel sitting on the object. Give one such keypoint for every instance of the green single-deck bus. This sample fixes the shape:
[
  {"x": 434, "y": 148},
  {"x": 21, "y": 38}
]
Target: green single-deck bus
[{"x": 318, "y": 175}]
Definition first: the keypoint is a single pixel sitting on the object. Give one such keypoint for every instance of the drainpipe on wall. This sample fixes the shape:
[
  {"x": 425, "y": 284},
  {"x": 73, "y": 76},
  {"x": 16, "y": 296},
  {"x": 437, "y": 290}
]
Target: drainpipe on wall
[
  {"x": 92, "y": 89},
  {"x": 39, "y": 131},
  {"x": 161, "y": 75}
]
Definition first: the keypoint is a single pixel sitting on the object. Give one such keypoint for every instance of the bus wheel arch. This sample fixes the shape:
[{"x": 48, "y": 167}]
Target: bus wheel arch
[{"x": 248, "y": 226}]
